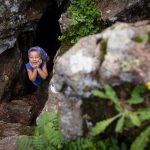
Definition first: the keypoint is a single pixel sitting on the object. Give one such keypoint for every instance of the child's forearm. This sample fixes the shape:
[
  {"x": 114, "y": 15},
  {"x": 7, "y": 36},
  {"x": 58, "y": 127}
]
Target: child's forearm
[
  {"x": 33, "y": 75},
  {"x": 42, "y": 73}
]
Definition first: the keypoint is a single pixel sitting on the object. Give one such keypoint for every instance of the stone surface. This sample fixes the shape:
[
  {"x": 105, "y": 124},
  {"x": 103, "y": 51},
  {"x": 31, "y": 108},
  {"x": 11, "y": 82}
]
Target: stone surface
[
  {"x": 16, "y": 111},
  {"x": 17, "y": 16},
  {"x": 126, "y": 60},
  {"x": 73, "y": 79},
  {"x": 112, "y": 57},
  {"x": 9, "y": 129},
  {"x": 10, "y": 65},
  {"x": 9, "y": 143},
  {"x": 124, "y": 10}
]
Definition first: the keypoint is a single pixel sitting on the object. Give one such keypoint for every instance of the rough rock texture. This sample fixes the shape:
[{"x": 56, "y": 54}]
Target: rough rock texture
[
  {"x": 124, "y": 10},
  {"x": 74, "y": 77},
  {"x": 126, "y": 60},
  {"x": 9, "y": 143},
  {"x": 17, "y": 16},
  {"x": 9, "y": 129},
  {"x": 16, "y": 111},
  {"x": 113, "y": 57},
  {"x": 10, "y": 65}
]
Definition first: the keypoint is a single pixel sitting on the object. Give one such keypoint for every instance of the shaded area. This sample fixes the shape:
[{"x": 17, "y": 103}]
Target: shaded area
[{"x": 48, "y": 30}]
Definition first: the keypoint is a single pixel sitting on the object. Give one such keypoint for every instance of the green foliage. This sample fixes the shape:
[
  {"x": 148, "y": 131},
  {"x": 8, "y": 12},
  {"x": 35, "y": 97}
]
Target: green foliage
[
  {"x": 135, "y": 118},
  {"x": 84, "y": 19},
  {"x": 92, "y": 144},
  {"x": 25, "y": 143},
  {"x": 135, "y": 95},
  {"x": 143, "y": 38},
  {"x": 141, "y": 141},
  {"x": 47, "y": 135},
  {"x": 102, "y": 125}
]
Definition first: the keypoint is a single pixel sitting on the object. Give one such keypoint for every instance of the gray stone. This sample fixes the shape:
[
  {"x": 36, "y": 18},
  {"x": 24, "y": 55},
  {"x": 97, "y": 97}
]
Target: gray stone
[
  {"x": 112, "y": 57},
  {"x": 125, "y": 10}
]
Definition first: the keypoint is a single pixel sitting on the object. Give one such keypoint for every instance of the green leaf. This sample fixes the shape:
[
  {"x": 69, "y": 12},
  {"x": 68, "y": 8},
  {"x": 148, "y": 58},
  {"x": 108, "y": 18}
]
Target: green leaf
[
  {"x": 99, "y": 94},
  {"x": 140, "y": 142},
  {"x": 144, "y": 114},
  {"x": 120, "y": 124},
  {"x": 111, "y": 94},
  {"x": 135, "y": 96},
  {"x": 134, "y": 119},
  {"x": 102, "y": 125}
]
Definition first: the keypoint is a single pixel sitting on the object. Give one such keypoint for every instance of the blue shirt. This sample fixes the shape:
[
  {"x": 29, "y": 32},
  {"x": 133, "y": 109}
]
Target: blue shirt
[{"x": 38, "y": 79}]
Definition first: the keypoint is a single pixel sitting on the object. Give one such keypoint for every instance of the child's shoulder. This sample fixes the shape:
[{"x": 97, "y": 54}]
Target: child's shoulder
[{"x": 28, "y": 66}]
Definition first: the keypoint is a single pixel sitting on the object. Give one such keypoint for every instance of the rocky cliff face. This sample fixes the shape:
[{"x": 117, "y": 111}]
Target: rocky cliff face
[
  {"x": 17, "y": 16},
  {"x": 124, "y": 10},
  {"x": 18, "y": 23}
]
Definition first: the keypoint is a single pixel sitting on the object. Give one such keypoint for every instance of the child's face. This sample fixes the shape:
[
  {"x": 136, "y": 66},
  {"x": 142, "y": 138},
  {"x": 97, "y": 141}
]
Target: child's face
[{"x": 34, "y": 57}]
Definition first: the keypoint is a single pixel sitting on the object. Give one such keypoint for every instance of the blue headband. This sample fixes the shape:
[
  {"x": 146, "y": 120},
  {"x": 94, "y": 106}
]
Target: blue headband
[{"x": 41, "y": 50}]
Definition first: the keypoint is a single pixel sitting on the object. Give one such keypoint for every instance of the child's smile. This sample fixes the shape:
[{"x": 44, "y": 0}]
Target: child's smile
[{"x": 34, "y": 57}]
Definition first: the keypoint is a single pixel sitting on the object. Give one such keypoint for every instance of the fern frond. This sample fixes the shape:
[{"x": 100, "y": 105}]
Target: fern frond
[
  {"x": 24, "y": 143},
  {"x": 141, "y": 141}
]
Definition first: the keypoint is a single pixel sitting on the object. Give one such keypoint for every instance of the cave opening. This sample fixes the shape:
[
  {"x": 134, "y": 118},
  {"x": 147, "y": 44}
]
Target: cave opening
[{"x": 45, "y": 34}]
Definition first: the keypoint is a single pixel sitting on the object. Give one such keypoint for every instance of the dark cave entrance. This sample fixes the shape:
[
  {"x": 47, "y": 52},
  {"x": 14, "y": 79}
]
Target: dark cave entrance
[
  {"x": 48, "y": 30},
  {"x": 44, "y": 35}
]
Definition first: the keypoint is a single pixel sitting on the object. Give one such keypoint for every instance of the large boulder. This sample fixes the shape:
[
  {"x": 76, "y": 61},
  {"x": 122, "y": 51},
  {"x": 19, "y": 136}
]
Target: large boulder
[{"x": 118, "y": 55}]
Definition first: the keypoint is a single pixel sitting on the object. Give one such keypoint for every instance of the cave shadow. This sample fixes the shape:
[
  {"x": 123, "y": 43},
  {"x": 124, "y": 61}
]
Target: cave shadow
[{"x": 46, "y": 36}]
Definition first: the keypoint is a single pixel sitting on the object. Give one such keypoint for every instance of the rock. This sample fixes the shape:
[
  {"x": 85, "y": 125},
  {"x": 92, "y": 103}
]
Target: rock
[
  {"x": 10, "y": 65},
  {"x": 112, "y": 57},
  {"x": 73, "y": 79},
  {"x": 9, "y": 129},
  {"x": 126, "y": 60},
  {"x": 16, "y": 112},
  {"x": 9, "y": 143},
  {"x": 125, "y": 10},
  {"x": 17, "y": 16}
]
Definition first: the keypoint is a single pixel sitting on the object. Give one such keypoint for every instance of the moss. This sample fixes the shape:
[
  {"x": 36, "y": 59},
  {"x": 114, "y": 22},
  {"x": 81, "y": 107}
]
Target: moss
[
  {"x": 27, "y": 131},
  {"x": 142, "y": 38},
  {"x": 103, "y": 49},
  {"x": 65, "y": 46}
]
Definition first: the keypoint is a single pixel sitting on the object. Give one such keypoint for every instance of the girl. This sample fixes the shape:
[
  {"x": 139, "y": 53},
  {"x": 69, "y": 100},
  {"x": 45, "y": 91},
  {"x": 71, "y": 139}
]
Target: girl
[{"x": 36, "y": 67}]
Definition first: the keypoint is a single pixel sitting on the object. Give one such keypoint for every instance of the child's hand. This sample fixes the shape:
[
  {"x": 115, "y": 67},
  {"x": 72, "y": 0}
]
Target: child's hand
[{"x": 39, "y": 62}]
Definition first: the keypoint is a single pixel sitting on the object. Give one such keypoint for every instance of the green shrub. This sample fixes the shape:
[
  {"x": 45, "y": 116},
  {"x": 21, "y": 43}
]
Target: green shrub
[
  {"x": 84, "y": 19},
  {"x": 48, "y": 137}
]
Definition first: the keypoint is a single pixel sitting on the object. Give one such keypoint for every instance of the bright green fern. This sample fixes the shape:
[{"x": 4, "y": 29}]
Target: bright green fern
[{"x": 47, "y": 135}]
